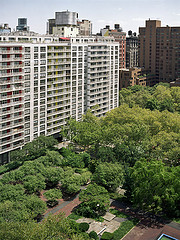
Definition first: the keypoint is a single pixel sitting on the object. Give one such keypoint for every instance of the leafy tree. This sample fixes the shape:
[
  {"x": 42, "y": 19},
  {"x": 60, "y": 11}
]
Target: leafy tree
[
  {"x": 34, "y": 205},
  {"x": 155, "y": 187},
  {"x": 13, "y": 212},
  {"x": 84, "y": 133},
  {"x": 34, "y": 183},
  {"x": 72, "y": 188},
  {"x": 74, "y": 160},
  {"x": 54, "y": 158},
  {"x": 106, "y": 154},
  {"x": 23, "y": 209},
  {"x": 34, "y": 149},
  {"x": 95, "y": 201},
  {"x": 11, "y": 192},
  {"x": 109, "y": 175},
  {"x": 54, "y": 227},
  {"x": 53, "y": 194},
  {"x": 72, "y": 184},
  {"x": 53, "y": 175}
]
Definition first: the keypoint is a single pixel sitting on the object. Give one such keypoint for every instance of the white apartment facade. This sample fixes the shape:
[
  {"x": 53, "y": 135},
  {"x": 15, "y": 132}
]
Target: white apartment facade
[{"x": 46, "y": 79}]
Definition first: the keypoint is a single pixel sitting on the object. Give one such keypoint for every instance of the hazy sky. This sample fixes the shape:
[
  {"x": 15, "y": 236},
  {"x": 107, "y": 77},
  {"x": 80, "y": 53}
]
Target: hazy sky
[{"x": 130, "y": 14}]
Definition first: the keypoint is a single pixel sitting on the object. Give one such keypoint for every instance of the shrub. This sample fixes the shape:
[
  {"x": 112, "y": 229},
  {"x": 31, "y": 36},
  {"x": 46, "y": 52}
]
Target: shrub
[
  {"x": 53, "y": 194},
  {"x": 75, "y": 226},
  {"x": 8, "y": 167},
  {"x": 107, "y": 236},
  {"x": 65, "y": 152},
  {"x": 83, "y": 227},
  {"x": 93, "y": 235}
]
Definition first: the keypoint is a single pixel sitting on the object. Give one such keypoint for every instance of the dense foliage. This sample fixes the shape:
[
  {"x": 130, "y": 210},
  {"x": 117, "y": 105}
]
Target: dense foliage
[
  {"x": 144, "y": 129},
  {"x": 135, "y": 147}
]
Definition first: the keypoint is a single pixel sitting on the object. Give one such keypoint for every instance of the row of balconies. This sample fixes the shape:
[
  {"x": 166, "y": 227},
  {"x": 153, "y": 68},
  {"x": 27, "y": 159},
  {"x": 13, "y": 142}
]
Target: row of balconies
[
  {"x": 102, "y": 59},
  {"x": 13, "y": 124},
  {"x": 64, "y": 87},
  {"x": 12, "y": 96},
  {"x": 11, "y": 73},
  {"x": 54, "y": 100},
  {"x": 11, "y": 110},
  {"x": 95, "y": 70},
  {"x": 58, "y": 50},
  {"x": 11, "y": 58},
  {"x": 54, "y": 81},
  {"x": 11, "y": 139},
  {"x": 11, "y": 66},
  {"x": 98, "y": 64},
  {"x": 11, "y": 88},
  {"x": 58, "y": 69},
  {"x": 11, "y": 80},
  {"x": 56, "y": 118},
  {"x": 62, "y": 62},
  {"x": 10, "y": 132},
  {"x": 94, "y": 54},
  {"x": 54, "y": 94},
  {"x": 53, "y": 106},
  {"x": 54, "y": 112},
  {"x": 10, "y": 51},
  {"x": 10, "y": 117},
  {"x": 58, "y": 56},
  {"x": 10, "y": 103},
  {"x": 12, "y": 146},
  {"x": 99, "y": 75}
]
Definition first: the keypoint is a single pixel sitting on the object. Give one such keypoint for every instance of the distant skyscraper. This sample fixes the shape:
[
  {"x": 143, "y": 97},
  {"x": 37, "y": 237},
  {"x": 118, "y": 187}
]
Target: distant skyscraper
[
  {"x": 131, "y": 50},
  {"x": 85, "y": 28},
  {"x": 120, "y": 37},
  {"x": 22, "y": 25},
  {"x": 159, "y": 51},
  {"x": 64, "y": 24}
]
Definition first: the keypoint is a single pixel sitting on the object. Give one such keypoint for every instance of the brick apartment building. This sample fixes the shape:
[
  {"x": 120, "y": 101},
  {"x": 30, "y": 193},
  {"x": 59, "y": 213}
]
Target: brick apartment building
[{"x": 159, "y": 51}]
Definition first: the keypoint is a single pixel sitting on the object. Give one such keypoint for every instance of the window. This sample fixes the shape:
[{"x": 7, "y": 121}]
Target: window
[
  {"x": 35, "y": 49},
  {"x": 36, "y": 56}
]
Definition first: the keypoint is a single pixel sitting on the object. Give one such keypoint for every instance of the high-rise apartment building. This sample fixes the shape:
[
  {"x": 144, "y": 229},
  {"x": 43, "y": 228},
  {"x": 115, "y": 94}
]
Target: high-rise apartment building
[
  {"x": 119, "y": 37},
  {"x": 131, "y": 50},
  {"x": 22, "y": 25},
  {"x": 64, "y": 24},
  {"x": 159, "y": 51},
  {"x": 85, "y": 28},
  {"x": 44, "y": 80}
]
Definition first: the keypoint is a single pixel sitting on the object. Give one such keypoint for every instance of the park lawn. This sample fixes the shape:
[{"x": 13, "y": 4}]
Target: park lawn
[{"x": 125, "y": 227}]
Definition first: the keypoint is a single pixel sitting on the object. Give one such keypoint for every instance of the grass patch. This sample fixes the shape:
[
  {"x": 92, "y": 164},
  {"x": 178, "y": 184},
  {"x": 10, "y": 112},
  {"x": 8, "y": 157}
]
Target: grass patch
[
  {"x": 177, "y": 220},
  {"x": 99, "y": 219},
  {"x": 118, "y": 213},
  {"x": 124, "y": 228},
  {"x": 74, "y": 216}
]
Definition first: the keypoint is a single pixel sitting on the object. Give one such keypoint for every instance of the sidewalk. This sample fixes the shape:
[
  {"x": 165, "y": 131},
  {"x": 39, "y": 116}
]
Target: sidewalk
[{"x": 63, "y": 206}]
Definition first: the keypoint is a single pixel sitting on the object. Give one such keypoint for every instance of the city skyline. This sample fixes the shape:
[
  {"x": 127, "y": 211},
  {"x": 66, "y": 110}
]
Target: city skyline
[{"x": 129, "y": 14}]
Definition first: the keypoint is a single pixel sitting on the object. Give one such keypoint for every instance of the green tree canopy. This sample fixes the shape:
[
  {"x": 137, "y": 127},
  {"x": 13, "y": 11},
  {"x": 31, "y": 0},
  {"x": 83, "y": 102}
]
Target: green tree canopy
[
  {"x": 155, "y": 187},
  {"x": 109, "y": 175}
]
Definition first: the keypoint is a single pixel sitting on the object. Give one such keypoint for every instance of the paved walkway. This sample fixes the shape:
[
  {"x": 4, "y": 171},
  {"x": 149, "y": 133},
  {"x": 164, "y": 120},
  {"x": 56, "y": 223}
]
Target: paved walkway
[
  {"x": 149, "y": 227},
  {"x": 63, "y": 206}
]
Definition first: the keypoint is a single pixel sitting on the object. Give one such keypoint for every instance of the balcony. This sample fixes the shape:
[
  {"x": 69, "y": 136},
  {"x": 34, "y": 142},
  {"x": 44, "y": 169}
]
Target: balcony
[{"x": 11, "y": 66}]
